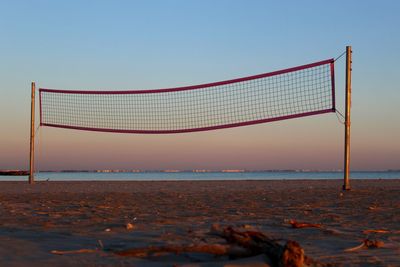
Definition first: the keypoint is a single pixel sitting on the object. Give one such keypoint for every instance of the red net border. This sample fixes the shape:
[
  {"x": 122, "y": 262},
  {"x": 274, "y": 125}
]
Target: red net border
[{"x": 194, "y": 87}]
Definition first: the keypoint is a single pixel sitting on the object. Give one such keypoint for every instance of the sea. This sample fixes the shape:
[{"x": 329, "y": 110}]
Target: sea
[{"x": 202, "y": 176}]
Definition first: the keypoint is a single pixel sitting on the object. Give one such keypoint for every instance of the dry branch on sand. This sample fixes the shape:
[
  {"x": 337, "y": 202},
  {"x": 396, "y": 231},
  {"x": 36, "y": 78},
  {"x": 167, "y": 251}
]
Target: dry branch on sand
[
  {"x": 79, "y": 251},
  {"x": 366, "y": 244},
  {"x": 296, "y": 224},
  {"x": 376, "y": 231},
  {"x": 238, "y": 244}
]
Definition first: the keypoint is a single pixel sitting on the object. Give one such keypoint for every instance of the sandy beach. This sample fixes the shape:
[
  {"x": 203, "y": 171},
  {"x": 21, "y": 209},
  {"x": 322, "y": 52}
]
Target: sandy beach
[{"x": 88, "y": 223}]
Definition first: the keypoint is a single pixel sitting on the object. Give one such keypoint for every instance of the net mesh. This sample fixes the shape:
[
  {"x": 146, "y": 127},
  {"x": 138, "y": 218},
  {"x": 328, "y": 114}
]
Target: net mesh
[{"x": 295, "y": 92}]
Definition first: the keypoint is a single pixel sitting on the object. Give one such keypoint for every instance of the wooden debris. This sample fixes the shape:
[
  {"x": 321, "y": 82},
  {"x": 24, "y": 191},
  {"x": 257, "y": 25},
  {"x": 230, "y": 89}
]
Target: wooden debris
[
  {"x": 79, "y": 251},
  {"x": 377, "y": 231},
  {"x": 129, "y": 226},
  {"x": 100, "y": 249},
  {"x": 100, "y": 244},
  {"x": 366, "y": 244},
  {"x": 296, "y": 224},
  {"x": 291, "y": 254},
  {"x": 238, "y": 244}
]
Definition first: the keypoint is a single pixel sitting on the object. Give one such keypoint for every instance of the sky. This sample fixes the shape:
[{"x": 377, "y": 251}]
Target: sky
[{"x": 117, "y": 45}]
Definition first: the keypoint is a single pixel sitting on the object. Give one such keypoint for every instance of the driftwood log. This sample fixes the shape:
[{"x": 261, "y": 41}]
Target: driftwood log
[
  {"x": 290, "y": 254},
  {"x": 296, "y": 224},
  {"x": 238, "y": 244}
]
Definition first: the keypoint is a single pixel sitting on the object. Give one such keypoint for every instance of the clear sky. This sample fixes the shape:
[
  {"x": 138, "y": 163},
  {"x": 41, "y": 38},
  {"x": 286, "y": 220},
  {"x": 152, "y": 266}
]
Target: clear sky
[{"x": 114, "y": 45}]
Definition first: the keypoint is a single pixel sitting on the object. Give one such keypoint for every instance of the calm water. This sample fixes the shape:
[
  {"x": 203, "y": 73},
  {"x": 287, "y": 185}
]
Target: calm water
[{"x": 157, "y": 176}]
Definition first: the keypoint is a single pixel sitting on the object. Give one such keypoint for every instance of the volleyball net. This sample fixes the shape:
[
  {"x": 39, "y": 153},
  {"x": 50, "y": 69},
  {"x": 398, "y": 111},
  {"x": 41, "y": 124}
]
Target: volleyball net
[{"x": 290, "y": 93}]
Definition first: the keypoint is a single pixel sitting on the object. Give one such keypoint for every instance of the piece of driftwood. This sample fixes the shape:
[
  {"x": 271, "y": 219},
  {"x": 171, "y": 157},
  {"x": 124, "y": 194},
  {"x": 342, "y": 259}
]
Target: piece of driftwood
[
  {"x": 79, "y": 251},
  {"x": 290, "y": 254},
  {"x": 366, "y": 244},
  {"x": 376, "y": 231},
  {"x": 238, "y": 244},
  {"x": 296, "y": 224}
]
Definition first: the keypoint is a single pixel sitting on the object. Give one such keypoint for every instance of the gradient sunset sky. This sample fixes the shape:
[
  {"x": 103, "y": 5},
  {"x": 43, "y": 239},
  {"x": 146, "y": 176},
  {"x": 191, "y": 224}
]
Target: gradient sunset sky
[{"x": 117, "y": 45}]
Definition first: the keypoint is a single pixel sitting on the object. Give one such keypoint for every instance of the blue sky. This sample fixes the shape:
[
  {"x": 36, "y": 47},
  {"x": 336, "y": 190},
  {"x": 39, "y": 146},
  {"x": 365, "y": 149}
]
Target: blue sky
[{"x": 155, "y": 44}]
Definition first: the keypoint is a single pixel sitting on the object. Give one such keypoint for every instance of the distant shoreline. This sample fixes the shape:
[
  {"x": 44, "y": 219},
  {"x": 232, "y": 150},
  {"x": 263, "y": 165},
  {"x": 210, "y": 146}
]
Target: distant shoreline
[
  {"x": 198, "y": 176},
  {"x": 23, "y": 172}
]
